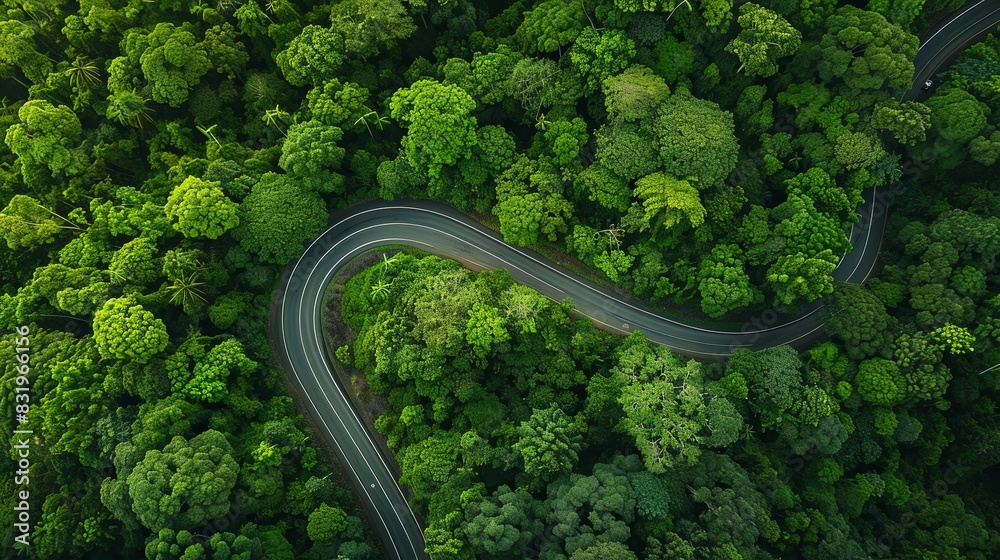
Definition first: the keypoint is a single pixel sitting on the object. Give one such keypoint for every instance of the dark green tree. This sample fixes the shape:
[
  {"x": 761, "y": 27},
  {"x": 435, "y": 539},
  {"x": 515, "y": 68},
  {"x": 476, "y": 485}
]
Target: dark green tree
[
  {"x": 548, "y": 442},
  {"x": 277, "y": 217},
  {"x": 696, "y": 139}
]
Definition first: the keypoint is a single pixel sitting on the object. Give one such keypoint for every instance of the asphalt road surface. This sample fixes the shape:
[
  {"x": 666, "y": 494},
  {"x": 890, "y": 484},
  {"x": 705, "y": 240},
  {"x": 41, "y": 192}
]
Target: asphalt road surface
[{"x": 296, "y": 312}]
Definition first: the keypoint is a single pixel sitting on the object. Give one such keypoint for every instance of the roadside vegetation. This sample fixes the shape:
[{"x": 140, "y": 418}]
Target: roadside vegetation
[{"x": 162, "y": 161}]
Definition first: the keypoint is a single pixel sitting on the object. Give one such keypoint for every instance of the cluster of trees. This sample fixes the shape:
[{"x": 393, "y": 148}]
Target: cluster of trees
[
  {"x": 162, "y": 161},
  {"x": 666, "y": 150},
  {"x": 155, "y": 175},
  {"x": 525, "y": 432}
]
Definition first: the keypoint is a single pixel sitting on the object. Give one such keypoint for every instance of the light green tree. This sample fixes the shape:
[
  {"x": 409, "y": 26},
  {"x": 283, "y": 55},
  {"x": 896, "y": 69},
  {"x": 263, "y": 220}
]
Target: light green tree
[
  {"x": 326, "y": 523},
  {"x": 135, "y": 263},
  {"x": 664, "y": 410},
  {"x": 368, "y": 26},
  {"x": 18, "y": 48},
  {"x": 528, "y": 219},
  {"x": 879, "y": 382},
  {"x": 340, "y": 104},
  {"x": 485, "y": 328},
  {"x": 125, "y": 331},
  {"x": 199, "y": 208},
  {"x": 277, "y": 217},
  {"x": 800, "y": 279},
  {"x": 25, "y": 223},
  {"x": 764, "y": 37},
  {"x": 858, "y": 150},
  {"x": 171, "y": 58},
  {"x": 954, "y": 339},
  {"x": 908, "y": 121},
  {"x": 604, "y": 551},
  {"x": 207, "y": 379},
  {"x": 668, "y": 200},
  {"x": 634, "y": 95},
  {"x": 312, "y": 154},
  {"x": 312, "y": 57},
  {"x": 440, "y": 128},
  {"x": 724, "y": 285},
  {"x": 47, "y": 141},
  {"x": 551, "y": 25},
  {"x": 809, "y": 231},
  {"x": 598, "y": 55},
  {"x": 185, "y": 484}
]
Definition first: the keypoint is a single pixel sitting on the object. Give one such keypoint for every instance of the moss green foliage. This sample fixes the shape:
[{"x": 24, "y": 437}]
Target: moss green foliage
[
  {"x": 46, "y": 139},
  {"x": 201, "y": 209},
  {"x": 764, "y": 37},
  {"x": 163, "y": 160},
  {"x": 765, "y": 445},
  {"x": 146, "y": 190},
  {"x": 124, "y": 329},
  {"x": 185, "y": 484},
  {"x": 277, "y": 217}
]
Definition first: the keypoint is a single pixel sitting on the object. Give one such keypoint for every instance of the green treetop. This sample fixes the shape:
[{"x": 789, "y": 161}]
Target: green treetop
[
  {"x": 277, "y": 217},
  {"x": 440, "y": 128},
  {"x": 368, "y": 26},
  {"x": 313, "y": 57},
  {"x": 866, "y": 51},
  {"x": 549, "y": 442},
  {"x": 126, "y": 331},
  {"x": 696, "y": 139},
  {"x": 764, "y": 37},
  {"x": 199, "y": 208},
  {"x": 799, "y": 278},
  {"x": 668, "y": 200},
  {"x": 171, "y": 59},
  {"x": 312, "y": 154},
  {"x": 46, "y": 139},
  {"x": 662, "y": 401},
  {"x": 723, "y": 282},
  {"x": 185, "y": 484}
]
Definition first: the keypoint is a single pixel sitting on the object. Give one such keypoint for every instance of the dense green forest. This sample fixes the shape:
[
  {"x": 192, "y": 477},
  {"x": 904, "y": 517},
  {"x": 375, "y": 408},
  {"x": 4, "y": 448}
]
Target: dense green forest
[{"x": 162, "y": 161}]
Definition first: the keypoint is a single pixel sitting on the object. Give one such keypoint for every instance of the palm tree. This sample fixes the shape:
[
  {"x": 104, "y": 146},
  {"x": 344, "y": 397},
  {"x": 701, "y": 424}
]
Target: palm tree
[
  {"x": 542, "y": 122},
  {"x": 129, "y": 108},
  {"x": 386, "y": 261},
  {"x": 208, "y": 132},
  {"x": 379, "y": 120},
  {"x": 275, "y": 116},
  {"x": 117, "y": 278},
  {"x": 83, "y": 72},
  {"x": 363, "y": 119},
  {"x": 226, "y": 5},
  {"x": 186, "y": 290},
  {"x": 381, "y": 290}
]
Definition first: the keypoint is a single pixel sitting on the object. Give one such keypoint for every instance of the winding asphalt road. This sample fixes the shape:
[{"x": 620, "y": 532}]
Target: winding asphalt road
[{"x": 296, "y": 314}]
